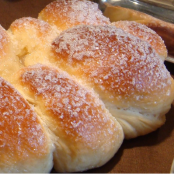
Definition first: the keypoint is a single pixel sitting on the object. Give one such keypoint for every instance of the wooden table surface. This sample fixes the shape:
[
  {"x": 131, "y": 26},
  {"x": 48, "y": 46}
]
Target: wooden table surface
[{"x": 152, "y": 153}]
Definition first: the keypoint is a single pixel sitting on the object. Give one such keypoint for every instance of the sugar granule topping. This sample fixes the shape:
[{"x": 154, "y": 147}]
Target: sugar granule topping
[
  {"x": 77, "y": 111},
  {"x": 75, "y": 11},
  {"x": 18, "y": 124},
  {"x": 3, "y": 41},
  {"x": 112, "y": 59},
  {"x": 143, "y": 32},
  {"x": 28, "y": 22}
]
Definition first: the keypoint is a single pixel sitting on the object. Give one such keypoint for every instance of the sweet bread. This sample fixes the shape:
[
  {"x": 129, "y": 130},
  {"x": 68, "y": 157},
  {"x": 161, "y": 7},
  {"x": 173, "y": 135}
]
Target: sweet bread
[
  {"x": 7, "y": 56},
  {"x": 125, "y": 71},
  {"x": 164, "y": 29},
  {"x": 76, "y": 121},
  {"x": 65, "y": 14},
  {"x": 84, "y": 133},
  {"x": 24, "y": 142},
  {"x": 72, "y": 146},
  {"x": 144, "y": 33},
  {"x": 78, "y": 87},
  {"x": 81, "y": 52}
]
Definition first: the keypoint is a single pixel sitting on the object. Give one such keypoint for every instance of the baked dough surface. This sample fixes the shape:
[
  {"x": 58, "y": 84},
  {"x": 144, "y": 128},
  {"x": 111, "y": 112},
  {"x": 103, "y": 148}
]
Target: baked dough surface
[{"x": 73, "y": 86}]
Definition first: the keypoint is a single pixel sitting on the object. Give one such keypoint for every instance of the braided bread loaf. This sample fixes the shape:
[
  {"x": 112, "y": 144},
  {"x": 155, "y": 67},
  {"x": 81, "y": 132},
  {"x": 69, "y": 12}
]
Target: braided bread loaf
[{"x": 73, "y": 85}]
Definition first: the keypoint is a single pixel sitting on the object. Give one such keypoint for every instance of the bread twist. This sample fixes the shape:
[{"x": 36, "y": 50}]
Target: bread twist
[{"x": 73, "y": 86}]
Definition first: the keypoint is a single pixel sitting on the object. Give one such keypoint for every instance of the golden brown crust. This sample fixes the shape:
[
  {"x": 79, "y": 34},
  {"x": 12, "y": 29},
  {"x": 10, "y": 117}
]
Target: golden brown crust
[
  {"x": 132, "y": 78},
  {"x": 27, "y": 29},
  {"x": 83, "y": 124},
  {"x": 22, "y": 137},
  {"x": 66, "y": 13},
  {"x": 144, "y": 33},
  {"x": 104, "y": 63},
  {"x": 32, "y": 39},
  {"x": 111, "y": 74},
  {"x": 26, "y": 23},
  {"x": 162, "y": 28}
]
